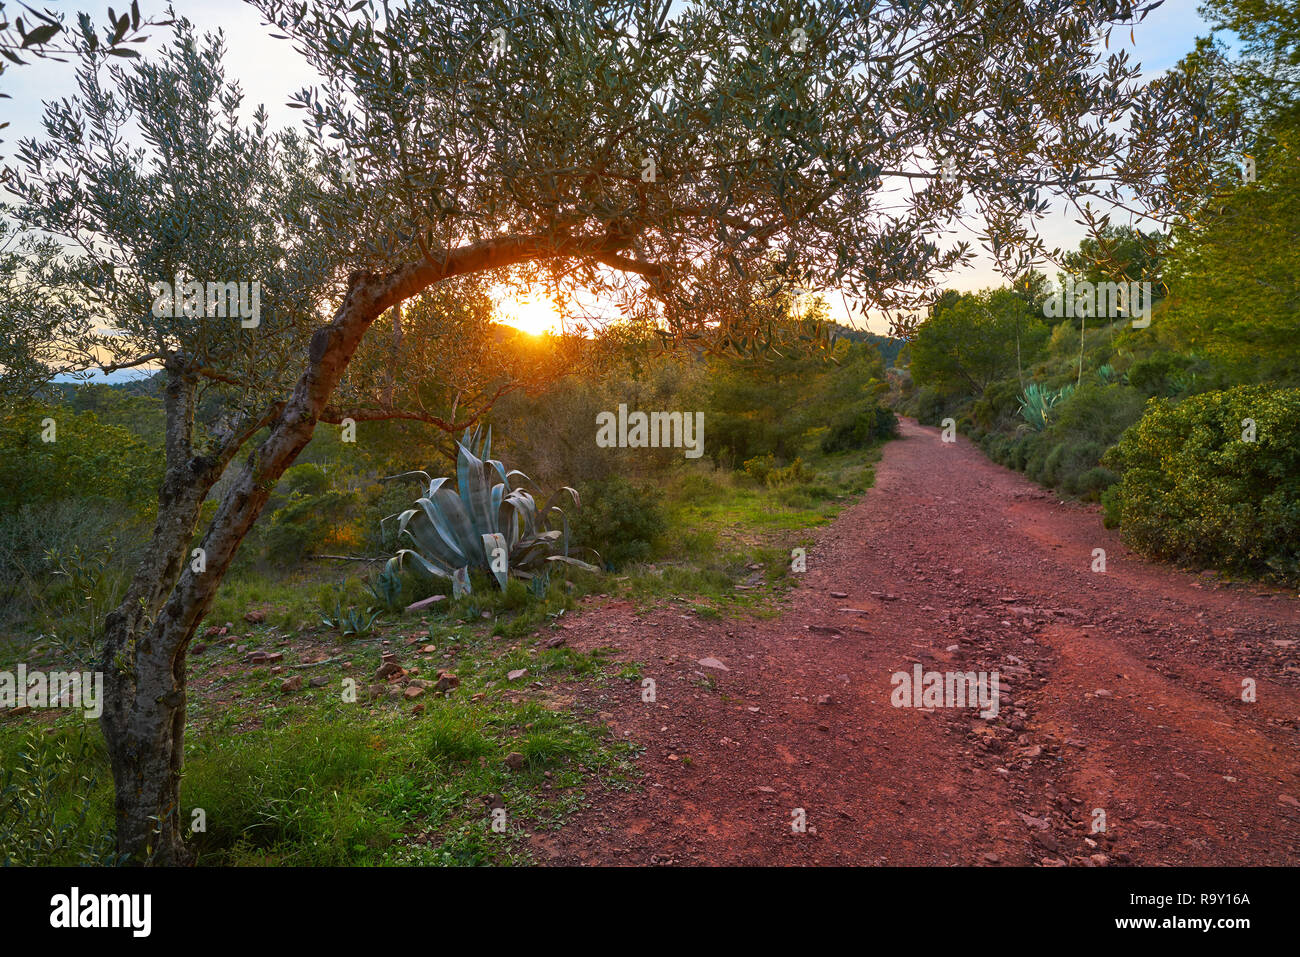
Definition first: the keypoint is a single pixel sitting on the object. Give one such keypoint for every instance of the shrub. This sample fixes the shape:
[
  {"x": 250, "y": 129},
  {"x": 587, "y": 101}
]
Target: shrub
[
  {"x": 760, "y": 467},
  {"x": 305, "y": 479},
  {"x": 1163, "y": 374},
  {"x": 860, "y": 429},
  {"x": 1195, "y": 489},
  {"x": 307, "y": 523},
  {"x": 1036, "y": 462},
  {"x": 1022, "y": 450},
  {"x": 52, "y": 808},
  {"x": 1097, "y": 413},
  {"x": 619, "y": 520},
  {"x": 793, "y": 474},
  {"x": 998, "y": 403},
  {"x": 1093, "y": 483},
  {"x": 931, "y": 407},
  {"x": 1068, "y": 461},
  {"x": 1053, "y": 463}
]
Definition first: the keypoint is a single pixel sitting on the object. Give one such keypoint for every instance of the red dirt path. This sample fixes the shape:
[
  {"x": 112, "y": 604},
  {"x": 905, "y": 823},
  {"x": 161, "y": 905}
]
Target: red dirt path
[{"x": 949, "y": 549}]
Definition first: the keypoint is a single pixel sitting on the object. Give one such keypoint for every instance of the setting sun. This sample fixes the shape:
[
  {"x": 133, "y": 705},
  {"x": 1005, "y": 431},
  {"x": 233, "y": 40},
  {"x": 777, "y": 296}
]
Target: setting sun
[{"x": 536, "y": 315}]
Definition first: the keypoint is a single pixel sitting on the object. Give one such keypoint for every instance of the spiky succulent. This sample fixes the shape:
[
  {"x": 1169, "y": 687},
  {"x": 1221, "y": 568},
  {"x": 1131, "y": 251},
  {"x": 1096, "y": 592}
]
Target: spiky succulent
[
  {"x": 488, "y": 522},
  {"x": 1037, "y": 403}
]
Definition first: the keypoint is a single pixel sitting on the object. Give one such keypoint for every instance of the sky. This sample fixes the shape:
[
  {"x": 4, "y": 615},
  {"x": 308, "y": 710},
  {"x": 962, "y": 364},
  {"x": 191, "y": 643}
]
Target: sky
[{"x": 269, "y": 71}]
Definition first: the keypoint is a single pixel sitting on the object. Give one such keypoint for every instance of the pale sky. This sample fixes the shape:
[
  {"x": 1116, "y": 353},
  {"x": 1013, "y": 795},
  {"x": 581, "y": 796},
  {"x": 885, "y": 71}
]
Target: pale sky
[{"x": 269, "y": 70}]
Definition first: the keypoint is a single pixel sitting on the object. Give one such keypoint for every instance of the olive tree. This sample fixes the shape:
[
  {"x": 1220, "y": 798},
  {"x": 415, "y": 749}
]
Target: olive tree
[{"x": 651, "y": 154}]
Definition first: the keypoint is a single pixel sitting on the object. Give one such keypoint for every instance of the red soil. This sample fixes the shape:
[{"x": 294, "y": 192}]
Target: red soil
[{"x": 949, "y": 550}]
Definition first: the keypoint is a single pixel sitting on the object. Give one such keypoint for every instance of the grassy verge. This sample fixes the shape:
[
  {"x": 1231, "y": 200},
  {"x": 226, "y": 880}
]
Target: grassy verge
[{"x": 728, "y": 549}]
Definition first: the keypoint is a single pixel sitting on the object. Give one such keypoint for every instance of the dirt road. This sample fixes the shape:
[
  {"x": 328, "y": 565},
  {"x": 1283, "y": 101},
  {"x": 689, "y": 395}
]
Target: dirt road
[{"x": 1122, "y": 695}]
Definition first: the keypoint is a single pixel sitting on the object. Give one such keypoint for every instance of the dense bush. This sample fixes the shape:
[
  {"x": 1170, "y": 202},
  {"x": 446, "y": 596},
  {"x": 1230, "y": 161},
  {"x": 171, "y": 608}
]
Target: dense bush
[
  {"x": 929, "y": 406},
  {"x": 619, "y": 520},
  {"x": 861, "y": 428},
  {"x": 796, "y": 473},
  {"x": 997, "y": 405},
  {"x": 309, "y": 522},
  {"x": 760, "y": 467},
  {"x": 87, "y": 460},
  {"x": 1195, "y": 489},
  {"x": 305, "y": 478},
  {"x": 1097, "y": 412}
]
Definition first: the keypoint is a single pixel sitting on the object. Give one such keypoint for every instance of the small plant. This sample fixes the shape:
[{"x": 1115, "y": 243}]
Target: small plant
[
  {"x": 44, "y": 818},
  {"x": 760, "y": 467},
  {"x": 386, "y": 589},
  {"x": 87, "y": 595},
  {"x": 356, "y": 624},
  {"x": 793, "y": 474},
  {"x": 539, "y": 585},
  {"x": 1037, "y": 403},
  {"x": 351, "y": 623},
  {"x": 620, "y": 520}
]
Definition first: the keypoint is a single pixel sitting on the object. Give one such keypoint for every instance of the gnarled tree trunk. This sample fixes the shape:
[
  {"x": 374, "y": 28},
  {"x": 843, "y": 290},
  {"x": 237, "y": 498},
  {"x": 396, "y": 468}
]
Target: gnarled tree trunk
[{"x": 148, "y": 635}]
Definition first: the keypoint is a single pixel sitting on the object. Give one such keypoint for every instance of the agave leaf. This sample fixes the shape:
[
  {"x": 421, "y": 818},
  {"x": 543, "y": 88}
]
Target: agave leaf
[
  {"x": 498, "y": 493},
  {"x": 415, "y": 525},
  {"x": 474, "y": 492},
  {"x": 525, "y": 509},
  {"x": 492, "y": 541},
  {"x": 518, "y": 517},
  {"x": 403, "y": 475},
  {"x": 515, "y": 473},
  {"x": 572, "y": 561},
  {"x": 553, "y": 501},
  {"x": 430, "y": 567},
  {"x": 500, "y": 469},
  {"x": 447, "y": 513},
  {"x": 531, "y": 555}
]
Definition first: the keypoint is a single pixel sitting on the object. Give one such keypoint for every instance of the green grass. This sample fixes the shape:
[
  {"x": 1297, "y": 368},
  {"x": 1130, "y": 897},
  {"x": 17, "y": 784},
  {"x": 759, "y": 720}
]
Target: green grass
[
  {"x": 327, "y": 782},
  {"x": 722, "y": 524}
]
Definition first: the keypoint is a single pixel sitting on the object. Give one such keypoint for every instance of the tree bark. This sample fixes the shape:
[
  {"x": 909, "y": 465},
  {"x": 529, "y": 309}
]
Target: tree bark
[
  {"x": 144, "y": 657},
  {"x": 144, "y": 678}
]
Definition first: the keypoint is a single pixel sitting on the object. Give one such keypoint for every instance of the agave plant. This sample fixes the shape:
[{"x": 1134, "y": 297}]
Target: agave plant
[
  {"x": 1037, "y": 403},
  {"x": 539, "y": 585},
  {"x": 351, "y": 623},
  {"x": 488, "y": 522},
  {"x": 386, "y": 589}
]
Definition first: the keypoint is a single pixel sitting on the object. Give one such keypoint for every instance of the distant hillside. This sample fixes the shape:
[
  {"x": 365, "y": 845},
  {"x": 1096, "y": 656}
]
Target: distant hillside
[{"x": 889, "y": 346}]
